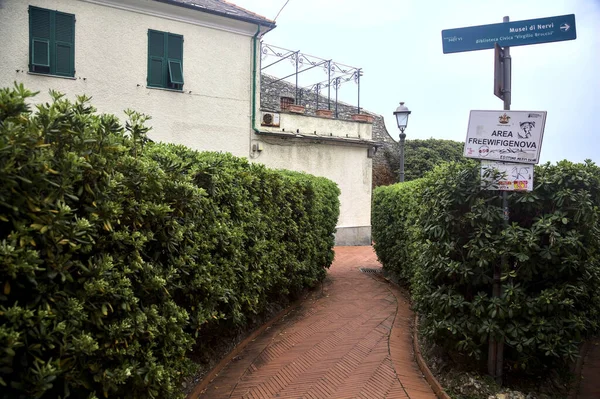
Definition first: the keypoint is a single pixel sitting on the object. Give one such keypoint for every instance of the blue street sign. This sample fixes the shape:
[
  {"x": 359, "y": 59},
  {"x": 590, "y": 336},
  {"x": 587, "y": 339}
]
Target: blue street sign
[{"x": 518, "y": 33}]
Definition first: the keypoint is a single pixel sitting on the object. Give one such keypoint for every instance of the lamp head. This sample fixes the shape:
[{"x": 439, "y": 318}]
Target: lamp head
[{"x": 401, "y": 113}]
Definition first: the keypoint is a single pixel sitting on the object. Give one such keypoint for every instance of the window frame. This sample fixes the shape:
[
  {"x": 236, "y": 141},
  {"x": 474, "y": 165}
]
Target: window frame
[
  {"x": 175, "y": 81},
  {"x": 33, "y": 58}
]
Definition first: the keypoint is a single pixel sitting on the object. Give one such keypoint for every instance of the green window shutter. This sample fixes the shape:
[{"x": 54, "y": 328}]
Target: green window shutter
[
  {"x": 51, "y": 42},
  {"x": 156, "y": 59},
  {"x": 64, "y": 42},
  {"x": 64, "y": 60},
  {"x": 39, "y": 39},
  {"x": 156, "y": 44},
  {"x": 165, "y": 60},
  {"x": 175, "y": 60},
  {"x": 155, "y": 72},
  {"x": 175, "y": 46},
  {"x": 39, "y": 23}
]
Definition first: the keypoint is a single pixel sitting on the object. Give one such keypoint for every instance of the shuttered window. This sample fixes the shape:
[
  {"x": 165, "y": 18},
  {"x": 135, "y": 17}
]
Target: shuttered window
[
  {"x": 51, "y": 42},
  {"x": 165, "y": 60}
]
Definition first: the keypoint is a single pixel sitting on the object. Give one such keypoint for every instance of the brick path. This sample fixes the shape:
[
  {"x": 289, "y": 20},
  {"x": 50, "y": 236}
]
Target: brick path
[
  {"x": 351, "y": 341},
  {"x": 589, "y": 386}
]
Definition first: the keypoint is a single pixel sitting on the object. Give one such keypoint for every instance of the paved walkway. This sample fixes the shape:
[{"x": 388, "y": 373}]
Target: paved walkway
[
  {"x": 589, "y": 386},
  {"x": 352, "y": 340}
]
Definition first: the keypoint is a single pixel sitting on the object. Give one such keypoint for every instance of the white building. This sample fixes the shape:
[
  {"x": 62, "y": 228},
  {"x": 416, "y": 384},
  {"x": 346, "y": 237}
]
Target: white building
[{"x": 194, "y": 66}]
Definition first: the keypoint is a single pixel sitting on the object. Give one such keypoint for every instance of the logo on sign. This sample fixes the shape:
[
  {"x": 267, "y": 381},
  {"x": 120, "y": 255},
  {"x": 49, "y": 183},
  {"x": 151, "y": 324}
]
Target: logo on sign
[
  {"x": 504, "y": 119},
  {"x": 526, "y": 128}
]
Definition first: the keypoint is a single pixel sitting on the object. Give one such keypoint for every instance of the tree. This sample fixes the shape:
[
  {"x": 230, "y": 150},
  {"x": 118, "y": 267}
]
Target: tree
[{"x": 421, "y": 156}]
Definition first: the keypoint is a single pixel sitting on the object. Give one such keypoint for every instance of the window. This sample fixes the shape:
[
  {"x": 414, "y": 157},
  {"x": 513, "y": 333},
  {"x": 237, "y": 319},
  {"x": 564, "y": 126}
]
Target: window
[
  {"x": 165, "y": 60},
  {"x": 285, "y": 102},
  {"x": 51, "y": 42}
]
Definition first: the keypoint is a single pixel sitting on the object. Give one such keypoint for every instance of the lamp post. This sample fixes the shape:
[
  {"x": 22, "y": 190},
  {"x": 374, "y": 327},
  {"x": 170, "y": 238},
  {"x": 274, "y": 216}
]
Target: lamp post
[{"x": 401, "y": 115}]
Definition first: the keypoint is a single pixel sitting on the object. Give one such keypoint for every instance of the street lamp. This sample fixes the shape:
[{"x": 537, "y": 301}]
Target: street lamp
[{"x": 401, "y": 115}]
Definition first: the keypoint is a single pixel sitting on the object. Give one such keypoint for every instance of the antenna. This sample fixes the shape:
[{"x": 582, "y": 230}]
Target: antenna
[{"x": 286, "y": 3}]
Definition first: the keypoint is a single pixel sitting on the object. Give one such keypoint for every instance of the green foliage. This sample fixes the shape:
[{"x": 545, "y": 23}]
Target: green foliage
[
  {"x": 118, "y": 254},
  {"x": 395, "y": 233},
  {"x": 422, "y": 156},
  {"x": 444, "y": 235}
]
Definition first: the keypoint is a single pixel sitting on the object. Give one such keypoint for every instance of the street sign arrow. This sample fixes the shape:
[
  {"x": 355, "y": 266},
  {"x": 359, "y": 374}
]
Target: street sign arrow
[{"x": 564, "y": 27}]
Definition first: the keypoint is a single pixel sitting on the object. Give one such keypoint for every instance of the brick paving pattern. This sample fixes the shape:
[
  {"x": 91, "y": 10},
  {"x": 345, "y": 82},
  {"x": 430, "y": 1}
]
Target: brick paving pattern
[
  {"x": 589, "y": 386},
  {"x": 350, "y": 340}
]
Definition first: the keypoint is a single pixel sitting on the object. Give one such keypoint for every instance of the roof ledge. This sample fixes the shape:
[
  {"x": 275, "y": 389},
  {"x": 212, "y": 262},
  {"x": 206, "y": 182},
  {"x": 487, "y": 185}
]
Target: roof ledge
[{"x": 323, "y": 139}]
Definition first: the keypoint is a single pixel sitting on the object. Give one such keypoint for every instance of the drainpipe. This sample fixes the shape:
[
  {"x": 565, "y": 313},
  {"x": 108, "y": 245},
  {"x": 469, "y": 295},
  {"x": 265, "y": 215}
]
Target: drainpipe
[{"x": 254, "y": 79}]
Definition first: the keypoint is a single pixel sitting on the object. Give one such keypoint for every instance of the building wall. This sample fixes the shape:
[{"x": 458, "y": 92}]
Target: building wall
[
  {"x": 306, "y": 146},
  {"x": 213, "y": 111}
]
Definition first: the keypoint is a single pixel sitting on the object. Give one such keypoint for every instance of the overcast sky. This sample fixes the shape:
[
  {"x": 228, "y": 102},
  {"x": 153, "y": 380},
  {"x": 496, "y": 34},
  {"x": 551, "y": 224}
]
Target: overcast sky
[{"x": 398, "y": 44}]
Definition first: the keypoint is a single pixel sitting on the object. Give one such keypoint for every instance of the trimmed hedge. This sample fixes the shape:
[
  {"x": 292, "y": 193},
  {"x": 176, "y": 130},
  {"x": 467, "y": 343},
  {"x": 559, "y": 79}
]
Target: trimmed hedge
[
  {"x": 394, "y": 224},
  {"x": 117, "y": 255},
  {"x": 443, "y": 234}
]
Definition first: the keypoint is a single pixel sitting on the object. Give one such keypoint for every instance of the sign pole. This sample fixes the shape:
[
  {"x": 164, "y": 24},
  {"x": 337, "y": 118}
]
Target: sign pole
[
  {"x": 507, "y": 74},
  {"x": 496, "y": 348}
]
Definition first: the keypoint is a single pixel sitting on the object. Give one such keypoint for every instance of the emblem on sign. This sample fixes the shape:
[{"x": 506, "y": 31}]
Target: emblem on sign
[
  {"x": 504, "y": 119},
  {"x": 526, "y": 128}
]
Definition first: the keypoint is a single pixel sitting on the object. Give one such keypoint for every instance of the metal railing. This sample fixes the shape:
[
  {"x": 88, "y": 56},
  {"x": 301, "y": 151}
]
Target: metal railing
[{"x": 337, "y": 74}]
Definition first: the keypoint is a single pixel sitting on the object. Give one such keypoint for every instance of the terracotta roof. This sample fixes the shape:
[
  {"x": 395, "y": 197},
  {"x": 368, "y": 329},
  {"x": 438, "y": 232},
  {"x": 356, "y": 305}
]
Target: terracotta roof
[{"x": 223, "y": 8}]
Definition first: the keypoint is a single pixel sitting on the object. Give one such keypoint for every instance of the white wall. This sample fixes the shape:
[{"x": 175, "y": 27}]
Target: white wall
[
  {"x": 213, "y": 112},
  {"x": 346, "y": 164}
]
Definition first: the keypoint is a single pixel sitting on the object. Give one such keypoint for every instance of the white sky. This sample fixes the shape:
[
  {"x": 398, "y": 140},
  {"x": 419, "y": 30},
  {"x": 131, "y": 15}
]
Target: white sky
[{"x": 398, "y": 44}]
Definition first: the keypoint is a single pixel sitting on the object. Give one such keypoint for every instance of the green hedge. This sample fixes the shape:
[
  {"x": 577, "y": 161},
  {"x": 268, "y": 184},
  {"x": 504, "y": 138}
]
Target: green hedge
[
  {"x": 395, "y": 232},
  {"x": 117, "y": 255},
  {"x": 444, "y": 234}
]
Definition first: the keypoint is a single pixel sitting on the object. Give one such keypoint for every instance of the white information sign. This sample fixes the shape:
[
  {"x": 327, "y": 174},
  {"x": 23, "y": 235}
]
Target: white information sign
[
  {"x": 509, "y": 136},
  {"x": 514, "y": 176}
]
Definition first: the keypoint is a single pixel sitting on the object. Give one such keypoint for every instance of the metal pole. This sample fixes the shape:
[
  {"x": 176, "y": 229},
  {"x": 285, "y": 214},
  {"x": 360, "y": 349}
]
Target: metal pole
[
  {"x": 358, "y": 83},
  {"x": 507, "y": 75},
  {"x": 337, "y": 87},
  {"x": 401, "y": 169},
  {"x": 496, "y": 348},
  {"x": 297, "y": 60},
  {"x": 329, "y": 85}
]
